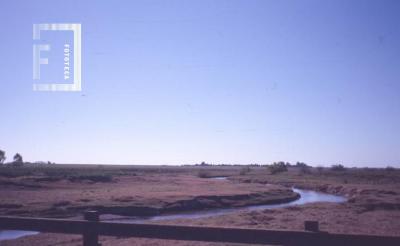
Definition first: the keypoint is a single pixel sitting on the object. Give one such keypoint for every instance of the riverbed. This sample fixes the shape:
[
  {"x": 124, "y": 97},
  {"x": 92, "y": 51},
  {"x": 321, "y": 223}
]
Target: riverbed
[{"x": 306, "y": 197}]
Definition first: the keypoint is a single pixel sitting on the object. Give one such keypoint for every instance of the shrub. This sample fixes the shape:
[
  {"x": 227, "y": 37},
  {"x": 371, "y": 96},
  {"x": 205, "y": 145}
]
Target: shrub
[
  {"x": 203, "y": 164},
  {"x": 244, "y": 170},
  {"x": 277, "y": 167},
  {"x": 320, "y": 169},
  {"x": 2, "y": 156},
  {"x": 18, "y": 161},
  {"x": 301, "y": 164},
  {"x": 203, "y": 174},
  {"x": 337, "y": 167},
  {"x": 390, "y": 169},
  {"x": 305, "y": 169},
  {"x": 95, "y": 178},
  {"x": 11, "y": 171}
]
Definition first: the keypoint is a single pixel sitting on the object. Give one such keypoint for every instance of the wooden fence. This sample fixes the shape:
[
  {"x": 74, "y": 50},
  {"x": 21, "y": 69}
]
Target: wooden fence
[{"x": 91, "y": 227}]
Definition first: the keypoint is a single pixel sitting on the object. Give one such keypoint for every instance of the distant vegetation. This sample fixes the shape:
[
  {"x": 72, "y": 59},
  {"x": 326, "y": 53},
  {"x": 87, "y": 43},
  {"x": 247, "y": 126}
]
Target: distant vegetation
[
  {"x": 92, "y": 177},
  {"x": 390, "y": 169},
  {"x": 278, "y": 167},
  {"x": 2, "y": 156},
  {"x": 53, "y": 173},
  {"x": 244, "y": 170},
  {"x": 205, "y": 164},
  {"x": 303, "y": 167},
  {"x": 43, "y": 171},
  {"x": 18, "y": 161},
  {"x": 338, "y": 168},
  {"x": 319, "y": 169},
  {"x": 301, "y": 164},
  {"x": 203, "y": 174}
]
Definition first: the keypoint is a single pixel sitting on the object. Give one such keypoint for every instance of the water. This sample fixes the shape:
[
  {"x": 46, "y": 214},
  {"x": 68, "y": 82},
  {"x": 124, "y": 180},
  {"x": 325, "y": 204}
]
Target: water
[
  {"x": 219, "y": 178},
  {"x": 9, "y": 234},
  {"x": 306, "y": 196}
]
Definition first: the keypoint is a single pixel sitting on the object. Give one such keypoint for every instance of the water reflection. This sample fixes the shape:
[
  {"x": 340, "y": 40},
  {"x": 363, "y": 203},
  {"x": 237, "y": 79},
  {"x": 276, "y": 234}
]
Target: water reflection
[{"x": 11, "y": 234}]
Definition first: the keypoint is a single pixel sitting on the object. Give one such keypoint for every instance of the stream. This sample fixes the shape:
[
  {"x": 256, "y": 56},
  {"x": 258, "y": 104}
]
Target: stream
[{"x": 306, "y": 196}]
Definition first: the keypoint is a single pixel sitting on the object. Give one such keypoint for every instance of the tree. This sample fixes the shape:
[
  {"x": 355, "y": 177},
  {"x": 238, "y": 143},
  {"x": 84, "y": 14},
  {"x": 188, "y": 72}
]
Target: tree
[
  {"x": 301, "y": 164},
  {"x": 18, "y": 160},
  {"x": 2, "y": 156},
  {"x": 338, "y": 167},
  {"x": 277, "y": 167}
]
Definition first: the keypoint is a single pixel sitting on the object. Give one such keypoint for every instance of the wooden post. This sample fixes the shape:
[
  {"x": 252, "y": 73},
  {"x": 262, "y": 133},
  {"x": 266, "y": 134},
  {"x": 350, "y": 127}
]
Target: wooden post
[
  {"x": 310, "y": 225},
  {"x": 91, "y": 238}
]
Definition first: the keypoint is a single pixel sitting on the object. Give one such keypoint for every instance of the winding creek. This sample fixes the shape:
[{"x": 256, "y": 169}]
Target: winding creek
[{"x": 306, "y": 196}]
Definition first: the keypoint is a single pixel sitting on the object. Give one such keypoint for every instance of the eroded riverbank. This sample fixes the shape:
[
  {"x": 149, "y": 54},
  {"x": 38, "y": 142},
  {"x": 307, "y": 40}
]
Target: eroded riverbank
[
  {"x": 134, "y": 196},
  {"x": 303, "y": 197}
]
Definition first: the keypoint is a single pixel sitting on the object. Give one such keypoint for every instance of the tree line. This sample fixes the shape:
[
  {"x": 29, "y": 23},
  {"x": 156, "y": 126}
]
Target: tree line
[{"x": 17, "y": 159}]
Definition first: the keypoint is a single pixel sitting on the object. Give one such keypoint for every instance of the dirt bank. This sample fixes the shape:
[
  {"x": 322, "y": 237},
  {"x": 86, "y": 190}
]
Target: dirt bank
[{"x": 132, "y": 195}]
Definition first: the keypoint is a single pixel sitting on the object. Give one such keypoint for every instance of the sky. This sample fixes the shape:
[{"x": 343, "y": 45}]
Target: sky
[{"x": 181, "y": 82}]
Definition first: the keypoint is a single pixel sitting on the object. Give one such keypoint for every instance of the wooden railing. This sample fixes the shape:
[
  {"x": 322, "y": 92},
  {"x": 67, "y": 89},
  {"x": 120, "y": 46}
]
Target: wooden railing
[{"x": 91, "y": 227}]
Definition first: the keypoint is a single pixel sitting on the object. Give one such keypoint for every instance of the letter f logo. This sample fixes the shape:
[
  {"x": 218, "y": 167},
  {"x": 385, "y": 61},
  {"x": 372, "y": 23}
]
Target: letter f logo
[
  {"x": 37, "y": 60},
  {"x": 38, "y": 49}
]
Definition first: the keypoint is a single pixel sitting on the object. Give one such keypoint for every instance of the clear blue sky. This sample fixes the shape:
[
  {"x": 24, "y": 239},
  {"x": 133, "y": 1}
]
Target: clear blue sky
[{"x": 172, "y": 82}]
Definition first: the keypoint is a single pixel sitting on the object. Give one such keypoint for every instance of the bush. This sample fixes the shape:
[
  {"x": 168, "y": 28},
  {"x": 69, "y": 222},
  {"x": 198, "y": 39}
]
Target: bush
[
  {"x": 203, "y": 174},
  {"x": 337, "y": 167},
  {"x": 11, "y": 171},
  {"x": 2, "y": 156},
  {"x": 277, "y": 167},
  {"x": 95, "y": 178},
  {"x": 301, "y": 164},
  {"x": 203, "y": 163},
  {"x": 320, "y": 169},
  {"x": 18, "y": 161},
  {"x": 305, "y": 169},
  {"x": 244, "y": 170},
  {"x": 390, "y": 169}
]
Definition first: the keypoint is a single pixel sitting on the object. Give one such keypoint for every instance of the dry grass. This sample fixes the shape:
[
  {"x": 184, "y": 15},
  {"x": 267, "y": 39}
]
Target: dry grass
[{"x": 373, "y": 207}]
